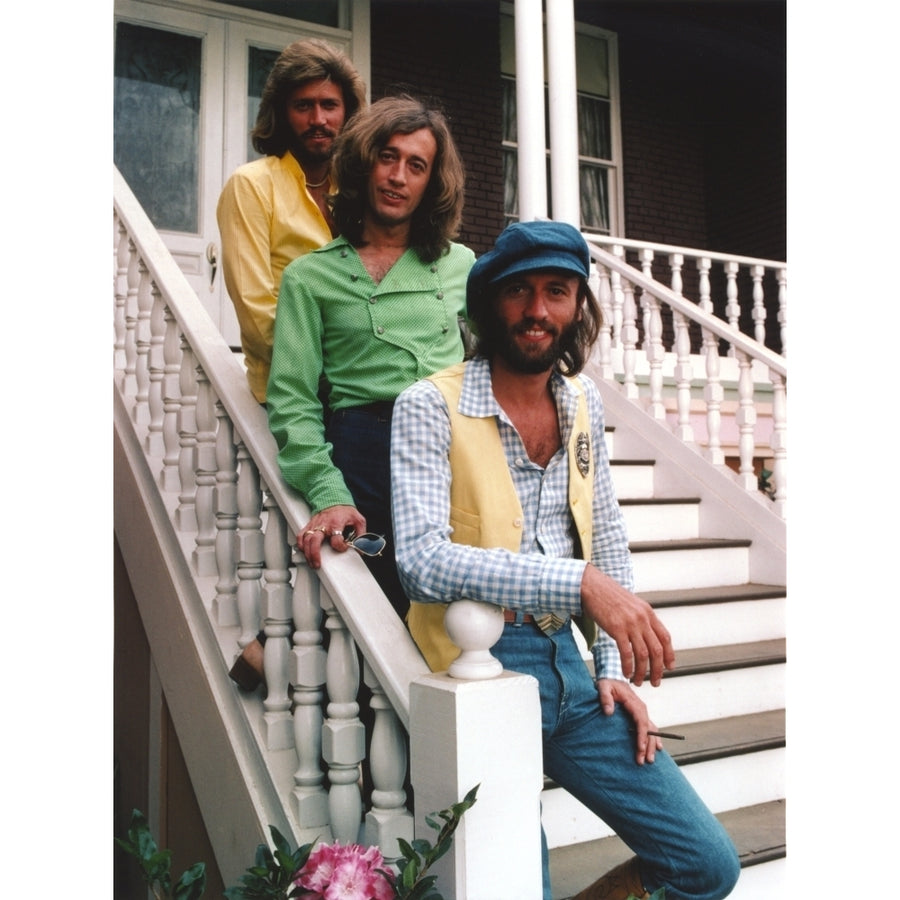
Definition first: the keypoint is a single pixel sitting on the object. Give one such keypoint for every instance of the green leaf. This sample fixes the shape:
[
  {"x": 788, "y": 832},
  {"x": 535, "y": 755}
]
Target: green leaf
[{"x": 192, "y": 883}]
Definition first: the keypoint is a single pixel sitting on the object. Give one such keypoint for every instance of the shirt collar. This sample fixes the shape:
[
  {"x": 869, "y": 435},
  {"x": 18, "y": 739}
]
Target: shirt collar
[{"x": 477, "y": 399}]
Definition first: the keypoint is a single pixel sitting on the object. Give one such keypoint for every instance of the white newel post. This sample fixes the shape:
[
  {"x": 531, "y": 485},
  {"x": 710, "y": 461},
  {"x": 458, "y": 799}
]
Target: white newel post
[{"x": 482, "y": 731}]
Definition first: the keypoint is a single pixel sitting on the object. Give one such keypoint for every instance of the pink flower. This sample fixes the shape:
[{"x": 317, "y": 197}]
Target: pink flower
[{"x": 351, "y": 872}]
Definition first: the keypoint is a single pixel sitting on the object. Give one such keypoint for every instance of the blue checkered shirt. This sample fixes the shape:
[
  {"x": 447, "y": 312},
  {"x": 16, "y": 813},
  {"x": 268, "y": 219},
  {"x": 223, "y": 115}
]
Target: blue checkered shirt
[{"x": 545, "y": 575}]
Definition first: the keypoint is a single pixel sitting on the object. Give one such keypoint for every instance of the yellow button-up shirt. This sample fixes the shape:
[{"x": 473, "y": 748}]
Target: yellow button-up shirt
[{"x": 267, "y": 218}]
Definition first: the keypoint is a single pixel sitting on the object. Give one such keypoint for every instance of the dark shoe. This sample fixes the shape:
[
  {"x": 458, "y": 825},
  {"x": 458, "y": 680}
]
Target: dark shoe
[
  {"x": 247, "y": 671},
  {"x": 618, "y": 884}
]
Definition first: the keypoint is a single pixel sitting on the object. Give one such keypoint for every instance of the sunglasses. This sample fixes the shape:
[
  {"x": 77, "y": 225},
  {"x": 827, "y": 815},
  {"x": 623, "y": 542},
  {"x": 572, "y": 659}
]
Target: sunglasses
[{"x": 367, "y": 544}]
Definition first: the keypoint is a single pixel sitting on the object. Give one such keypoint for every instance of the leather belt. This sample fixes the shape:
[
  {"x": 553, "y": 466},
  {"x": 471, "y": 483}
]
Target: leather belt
[
  {"x": 549, "y": 623},
  {"x": 510, "y": 616}
]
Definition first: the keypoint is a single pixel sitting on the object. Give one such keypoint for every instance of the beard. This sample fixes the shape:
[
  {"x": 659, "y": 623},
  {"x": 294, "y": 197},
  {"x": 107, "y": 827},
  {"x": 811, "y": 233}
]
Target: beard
[
  {"x": 307, "y": 154},
  {"x": 530, "y": 361}
]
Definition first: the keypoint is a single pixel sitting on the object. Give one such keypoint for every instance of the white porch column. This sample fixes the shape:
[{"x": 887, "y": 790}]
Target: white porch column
[
  {"x": 529, "y": 29},
  {"x": 487, "y": 733},
  {"x": 562, "y": 88}
]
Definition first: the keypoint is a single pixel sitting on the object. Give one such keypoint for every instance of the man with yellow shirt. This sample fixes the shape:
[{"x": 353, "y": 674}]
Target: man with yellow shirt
[
  {"x": 273, "y": 210},
  {"x": 502, "y": 493}
]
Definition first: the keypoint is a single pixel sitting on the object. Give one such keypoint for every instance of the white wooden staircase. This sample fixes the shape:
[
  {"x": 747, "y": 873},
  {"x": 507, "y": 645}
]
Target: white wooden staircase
[{"x": 722, "y": 599}]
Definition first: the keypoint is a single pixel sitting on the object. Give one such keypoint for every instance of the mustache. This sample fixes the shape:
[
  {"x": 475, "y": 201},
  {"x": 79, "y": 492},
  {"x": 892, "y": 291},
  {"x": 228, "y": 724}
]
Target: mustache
[{"x": 318, "y": 133}]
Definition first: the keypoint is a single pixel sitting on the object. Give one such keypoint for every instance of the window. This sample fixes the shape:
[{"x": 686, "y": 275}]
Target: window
[{"x": 598, "y": 139}]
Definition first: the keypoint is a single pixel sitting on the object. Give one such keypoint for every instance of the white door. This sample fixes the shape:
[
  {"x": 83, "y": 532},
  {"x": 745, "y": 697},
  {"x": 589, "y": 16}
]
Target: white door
[{"x": 187, "y": 88}]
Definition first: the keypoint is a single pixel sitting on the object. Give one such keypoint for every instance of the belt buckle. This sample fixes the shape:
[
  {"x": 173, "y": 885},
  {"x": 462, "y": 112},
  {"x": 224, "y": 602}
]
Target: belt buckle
[{"x": 549, "y": 623}]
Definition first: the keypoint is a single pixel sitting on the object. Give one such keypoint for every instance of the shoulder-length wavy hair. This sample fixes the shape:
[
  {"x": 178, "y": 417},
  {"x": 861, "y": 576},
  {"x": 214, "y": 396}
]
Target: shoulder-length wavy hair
[
  {"x": 574, "y": 345},
  {"x": 301, "y": 62},
  {"x": 437, "y": 220}
]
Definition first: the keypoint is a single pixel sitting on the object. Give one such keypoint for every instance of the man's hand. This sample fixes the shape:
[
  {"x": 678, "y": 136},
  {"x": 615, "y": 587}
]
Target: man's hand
[
  {"x": 640, "y": 636},
  {"x": 612, "y": 692},
  {"x": 329, "y": 524}
]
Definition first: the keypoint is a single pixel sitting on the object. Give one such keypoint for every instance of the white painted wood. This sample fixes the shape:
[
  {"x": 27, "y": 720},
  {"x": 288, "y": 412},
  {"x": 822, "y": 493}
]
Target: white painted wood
[
  {"x": 660, "y": 570},
  {"x": 697, "y": 698},
  {"x": 725, "y": 623},
  {"x": 634, "y": 482},
  {"x": 659, "y": 522},
  {"x": 767, "y": 880},
  {"x": 497, "y": 745}
]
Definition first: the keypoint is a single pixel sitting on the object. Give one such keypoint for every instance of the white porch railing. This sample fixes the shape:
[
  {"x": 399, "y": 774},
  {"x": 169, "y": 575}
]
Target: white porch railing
[
  {"x": 679, "y": 361},
  {"x": 198, "y": 446}
]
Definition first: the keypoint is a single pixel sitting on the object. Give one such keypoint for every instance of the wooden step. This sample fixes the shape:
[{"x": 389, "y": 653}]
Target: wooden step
[
  {"x": 711, "y": 682},
  {"x": 688, "y": 564},
  {"x": 698, "y": 617},
  {"x": 655, "y": 519},
  {"x": 758, "y": 833}
]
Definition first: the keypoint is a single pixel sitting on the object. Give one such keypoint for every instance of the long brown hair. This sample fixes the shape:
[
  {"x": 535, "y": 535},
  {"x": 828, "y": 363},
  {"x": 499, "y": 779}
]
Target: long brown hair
[
  {"x": 301, "y": 62},
  {"x": 437, "y": 220}
]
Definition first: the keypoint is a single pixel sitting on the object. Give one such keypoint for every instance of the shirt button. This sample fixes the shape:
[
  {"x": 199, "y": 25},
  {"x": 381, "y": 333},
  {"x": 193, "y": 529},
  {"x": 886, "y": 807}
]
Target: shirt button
[
  {"x": 354, "y": 277},
  {"x": 444, "y": 330},
  {"x": 517, "y": 523},
  {"x": 440, "y": 295},
  {"x": 380, "y": 330},
  {"x": 373, "y": 299},
  {"x": 343, "y": 254},
  {"x": 433, "y": 267}
]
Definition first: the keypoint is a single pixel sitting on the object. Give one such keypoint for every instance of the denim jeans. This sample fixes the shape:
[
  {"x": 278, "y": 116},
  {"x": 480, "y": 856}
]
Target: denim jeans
[
  {"x": 361, "y": 440},
  {"x": 653, "y": 808}
]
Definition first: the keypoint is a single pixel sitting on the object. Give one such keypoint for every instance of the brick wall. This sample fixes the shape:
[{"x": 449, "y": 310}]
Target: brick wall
[{"x": 451, "y": 51}]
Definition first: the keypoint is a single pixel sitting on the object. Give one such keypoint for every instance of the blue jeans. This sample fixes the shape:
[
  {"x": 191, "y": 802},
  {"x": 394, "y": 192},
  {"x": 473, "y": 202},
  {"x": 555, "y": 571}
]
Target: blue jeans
[{"x": 653, "y": 809}]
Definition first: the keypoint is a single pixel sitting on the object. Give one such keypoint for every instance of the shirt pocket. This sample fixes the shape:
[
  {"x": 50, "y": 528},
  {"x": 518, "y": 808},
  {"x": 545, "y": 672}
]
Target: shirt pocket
[{"x": 466, "y": 527}]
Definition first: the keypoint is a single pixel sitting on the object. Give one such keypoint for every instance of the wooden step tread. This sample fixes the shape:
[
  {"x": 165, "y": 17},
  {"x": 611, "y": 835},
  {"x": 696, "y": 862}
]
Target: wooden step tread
[
  {"x": 688, "y": 544},
  {"x": 729, "y": 656},
  {"x": 706, "y": 595},
  {"x": 730, "y": 736},
  {"x": 758, "y": 833},
  {"x": 659, "y": 501}
]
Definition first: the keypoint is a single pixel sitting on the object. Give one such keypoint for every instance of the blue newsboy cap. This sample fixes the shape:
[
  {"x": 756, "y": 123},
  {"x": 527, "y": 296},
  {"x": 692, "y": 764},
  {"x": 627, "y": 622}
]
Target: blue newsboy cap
[{"x": 527, "y": 247}]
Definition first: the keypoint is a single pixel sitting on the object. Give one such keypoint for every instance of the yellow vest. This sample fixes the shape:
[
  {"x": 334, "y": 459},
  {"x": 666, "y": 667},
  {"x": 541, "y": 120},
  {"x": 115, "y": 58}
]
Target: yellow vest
[{"x": 484, "y": 507}]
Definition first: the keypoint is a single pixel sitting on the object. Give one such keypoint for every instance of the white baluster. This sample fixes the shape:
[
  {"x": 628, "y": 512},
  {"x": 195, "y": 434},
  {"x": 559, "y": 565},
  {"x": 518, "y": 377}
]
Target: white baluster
[
  {"x": 759, "y": 303},
  {"x": 308, "y": 679},
  {"x": 713, "y": 392},
  {"x": 204, "y": 556},
  {"x": 655, "y": 353},
  {"x": 746, "y": 422},
  {"x": 225, "y": 602},
  {"x": 121, "y": 295},
  {"x": 250, "y": 545},
  {"x": 474, "y": 628},
  {"x": 141, "y": 412},
  {"x": 343, "y": 734},
  {"x": 186, "y": 513},
  {"x": 732, "y": 306},
  {"x": 779, "y": 442},
  {"x": 156, "y": 367},
  {"x": 623, "y": 300},
  {"x": 275, "y": 608},
  {"x": 603, "y": 347},
  {"x": 168, "y": 476},
  {"x": 388, "y": 819},
  {"x": 782, "y": 308},
  {"x": 684, "y": 372},
  {"x": 133, "y": 278}
]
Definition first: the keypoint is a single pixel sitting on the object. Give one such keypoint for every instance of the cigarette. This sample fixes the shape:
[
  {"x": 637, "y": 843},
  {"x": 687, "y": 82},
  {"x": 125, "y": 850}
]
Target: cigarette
[{"x": 663, "y": 734}]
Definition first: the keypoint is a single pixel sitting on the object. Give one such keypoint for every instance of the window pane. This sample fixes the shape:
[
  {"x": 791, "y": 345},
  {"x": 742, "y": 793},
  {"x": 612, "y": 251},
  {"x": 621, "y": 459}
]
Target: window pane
[
  {"x": 325, "y": 12},
  {"x": 510, "y": 184},
  {"x": 156, "y": 108},
  {"x": 593, "y": 128},
  {"x": 259, "y": 65},
  {"x": 509, "y": 110},
  {"x": 594, "y": 198}
]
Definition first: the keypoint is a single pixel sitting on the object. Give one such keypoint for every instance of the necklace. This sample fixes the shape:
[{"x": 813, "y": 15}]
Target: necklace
[{"x": 319, "y": 184}]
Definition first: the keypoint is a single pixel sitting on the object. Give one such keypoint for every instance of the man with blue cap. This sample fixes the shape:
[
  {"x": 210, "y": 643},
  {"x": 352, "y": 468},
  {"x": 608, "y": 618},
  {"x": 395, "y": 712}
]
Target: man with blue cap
[{"x": 502, "y": 493}]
